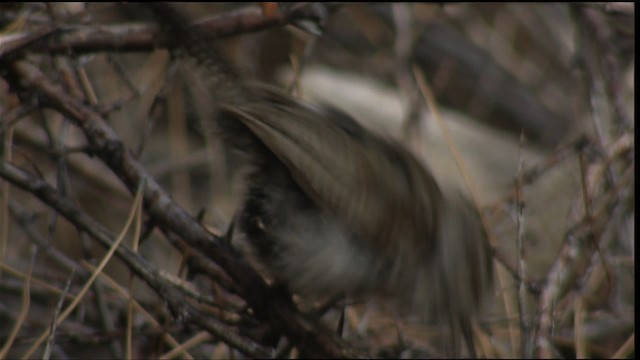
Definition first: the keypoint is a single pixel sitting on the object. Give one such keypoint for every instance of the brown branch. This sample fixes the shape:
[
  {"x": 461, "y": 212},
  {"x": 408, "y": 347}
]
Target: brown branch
[
  {"x": 573, "y": 261},
  {"x": 141, "y": 267},
  {"x": 81, "y": 39}
]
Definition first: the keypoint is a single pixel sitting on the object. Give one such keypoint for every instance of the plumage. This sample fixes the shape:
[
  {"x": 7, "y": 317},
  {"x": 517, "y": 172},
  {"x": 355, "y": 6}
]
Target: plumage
[{"x": 334, "y": 208}]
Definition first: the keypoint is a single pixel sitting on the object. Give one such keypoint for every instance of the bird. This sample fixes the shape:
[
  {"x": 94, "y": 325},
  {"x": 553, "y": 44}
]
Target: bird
[{"x": 332, "y": 207}]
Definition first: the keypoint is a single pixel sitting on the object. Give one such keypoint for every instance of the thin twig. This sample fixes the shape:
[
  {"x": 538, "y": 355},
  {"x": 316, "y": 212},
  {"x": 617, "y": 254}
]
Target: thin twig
[
  {"x": 57, "y": 318},
  {"x": 525, "y": 350}
]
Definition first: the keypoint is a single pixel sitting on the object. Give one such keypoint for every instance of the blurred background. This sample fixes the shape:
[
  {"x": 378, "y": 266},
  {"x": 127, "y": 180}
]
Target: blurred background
[{"x": 538, "y": 97}]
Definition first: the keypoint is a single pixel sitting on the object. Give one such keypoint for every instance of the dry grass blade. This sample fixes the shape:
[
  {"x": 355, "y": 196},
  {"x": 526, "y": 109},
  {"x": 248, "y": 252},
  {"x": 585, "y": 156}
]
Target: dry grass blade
[
  {"x": 26, "y": 301},
  {"x": 137, "y": 203},
  {"x": 508, "y": 297},
  {"x": 455, "y": 151},
  {"x": 34, "y": 281},
  {"x": 199, "y": 338},
  {"x": 4, "y": 198},
  {"x": 125, "y": 295},
  {"x": 626, "y": 349},
  {"x": 134, "y": 248},
  {"x": 581, "y": 341}
]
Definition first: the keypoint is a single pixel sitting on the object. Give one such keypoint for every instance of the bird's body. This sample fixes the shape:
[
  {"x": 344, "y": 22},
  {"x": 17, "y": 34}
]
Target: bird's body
[
  {"x": 333, "y": 208},
  {"x": 319, "y": 178}
]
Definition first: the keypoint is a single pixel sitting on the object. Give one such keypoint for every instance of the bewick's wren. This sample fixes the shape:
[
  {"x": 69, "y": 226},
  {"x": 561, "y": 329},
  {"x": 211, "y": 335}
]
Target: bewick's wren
[{"x": 332, "y": 207}]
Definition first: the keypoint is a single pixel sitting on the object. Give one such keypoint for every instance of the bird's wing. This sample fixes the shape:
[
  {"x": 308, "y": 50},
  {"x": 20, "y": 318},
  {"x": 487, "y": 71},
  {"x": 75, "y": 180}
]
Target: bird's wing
[{"x": 380, "y": 190}]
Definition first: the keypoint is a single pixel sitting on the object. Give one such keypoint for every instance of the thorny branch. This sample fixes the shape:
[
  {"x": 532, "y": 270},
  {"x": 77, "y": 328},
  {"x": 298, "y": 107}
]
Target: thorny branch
[{"x": 275, "y": 308}]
